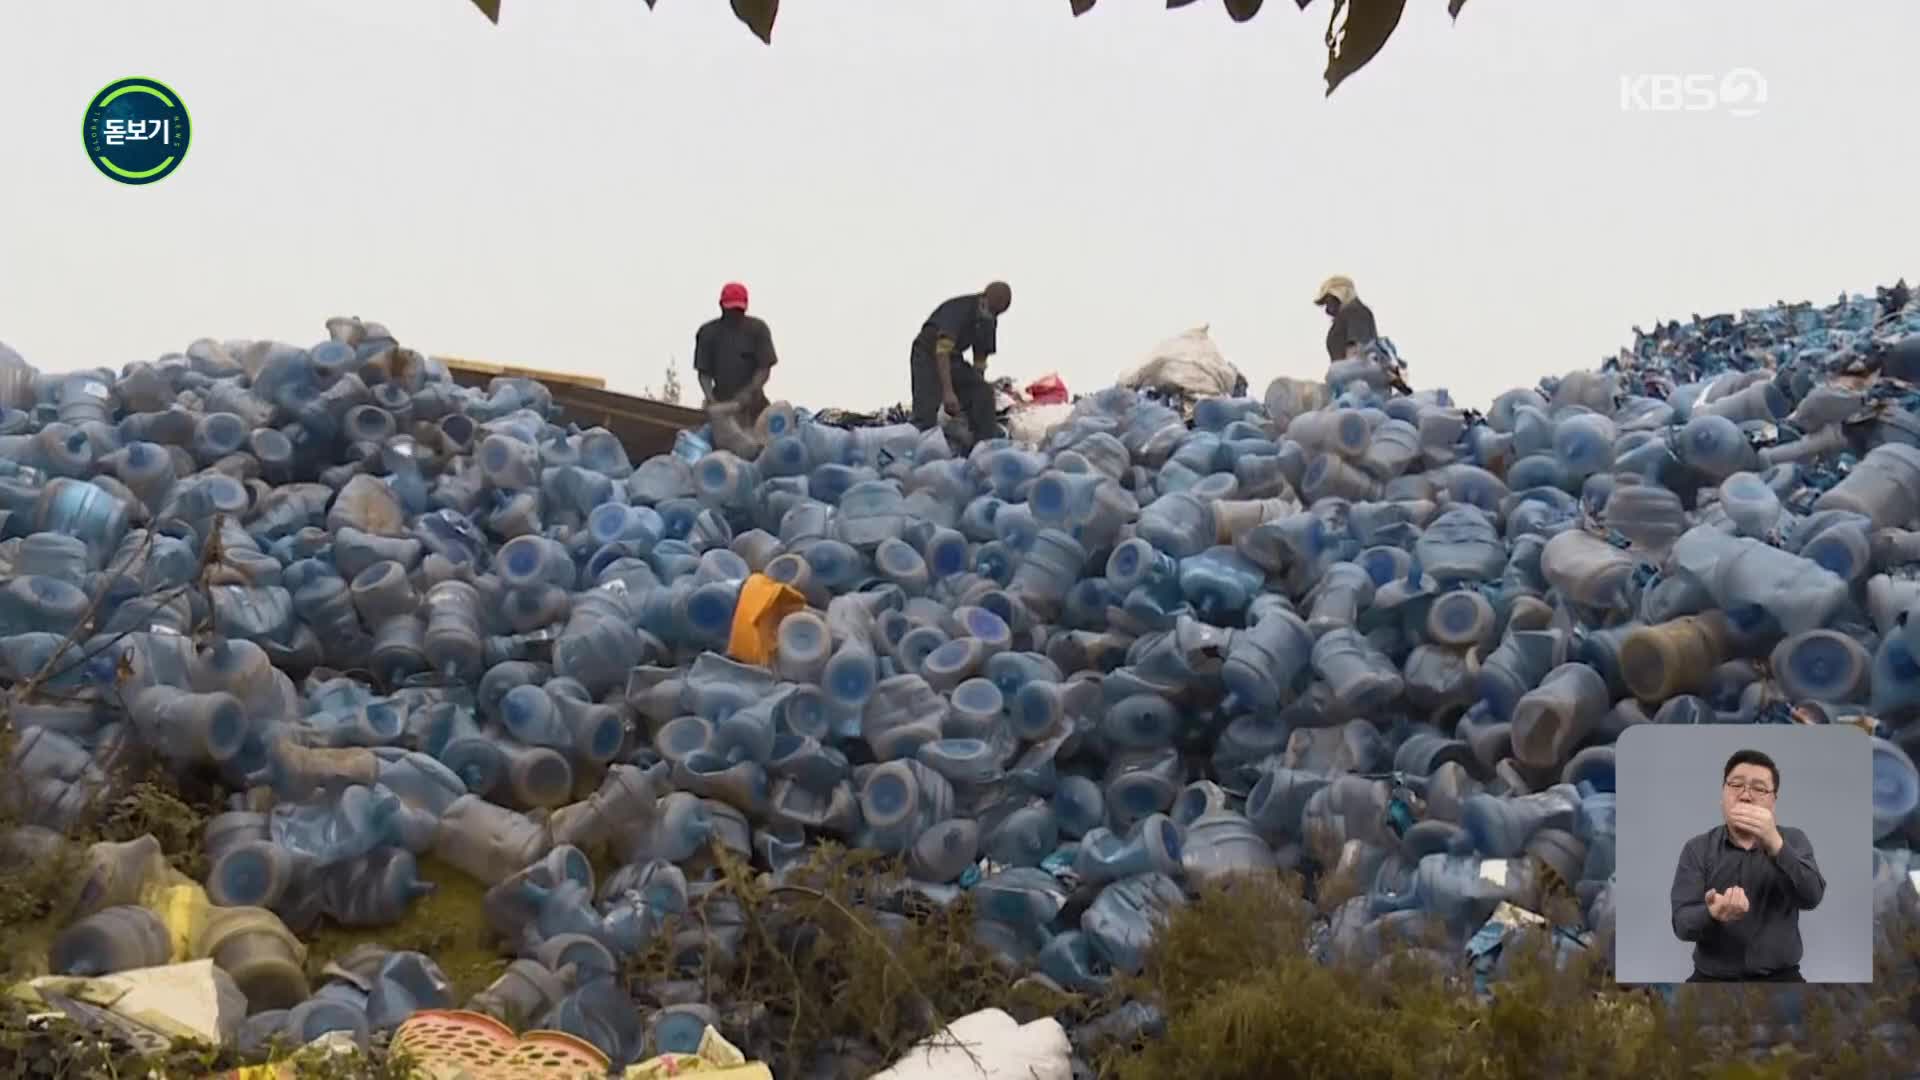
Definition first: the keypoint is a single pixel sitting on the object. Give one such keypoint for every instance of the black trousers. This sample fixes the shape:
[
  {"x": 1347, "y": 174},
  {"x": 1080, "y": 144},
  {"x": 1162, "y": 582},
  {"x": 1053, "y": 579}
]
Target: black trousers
[
  {"x": 975, "y": 394},
  {"x": 1784, "y": 975},
  {"x": 750, "y": 409}
]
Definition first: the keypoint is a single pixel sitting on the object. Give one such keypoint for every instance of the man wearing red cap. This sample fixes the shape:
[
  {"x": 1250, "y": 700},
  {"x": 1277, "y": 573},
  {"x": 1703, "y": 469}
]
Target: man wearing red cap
[{"x": 733, "y": 355}]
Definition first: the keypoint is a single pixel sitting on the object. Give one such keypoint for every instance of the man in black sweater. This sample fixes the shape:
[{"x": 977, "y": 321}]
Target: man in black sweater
[
  {"x": 733, "y": 355},
  {"x": 1352, "y": 326},
  {"x": 1352, "y": 331},
  {"x": 941, "y": 378},
  {"x": 1740, "y": 887}
]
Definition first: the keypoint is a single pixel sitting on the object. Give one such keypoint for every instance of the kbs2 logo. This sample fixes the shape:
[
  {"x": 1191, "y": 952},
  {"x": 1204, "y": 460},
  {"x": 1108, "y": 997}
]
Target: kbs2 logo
[{"x": 1740, "y": 92}]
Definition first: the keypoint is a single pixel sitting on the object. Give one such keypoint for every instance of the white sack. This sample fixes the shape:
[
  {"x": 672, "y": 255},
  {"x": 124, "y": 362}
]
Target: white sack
[
  {"x": 1004, "y": 1048},
  {"x": 1029, "y": 425},
  {"x": 1190, "y": 363}
]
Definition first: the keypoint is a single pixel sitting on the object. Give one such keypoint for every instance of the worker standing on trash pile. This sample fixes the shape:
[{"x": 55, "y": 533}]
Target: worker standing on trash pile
[
  {"x": 733, "y": 355},
  {"x": 1352, "y": 327},
  {"x": 1353, "y": 331},
  {"x": 941, "y": 378}
]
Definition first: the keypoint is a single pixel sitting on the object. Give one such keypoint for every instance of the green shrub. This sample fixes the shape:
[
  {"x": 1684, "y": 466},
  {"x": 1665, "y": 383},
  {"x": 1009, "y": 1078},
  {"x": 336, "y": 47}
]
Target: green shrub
[
  {"x": 819, "y": 970},
  {"x": 815, "y": 955},
  {"x": 1243, "y": 999}
]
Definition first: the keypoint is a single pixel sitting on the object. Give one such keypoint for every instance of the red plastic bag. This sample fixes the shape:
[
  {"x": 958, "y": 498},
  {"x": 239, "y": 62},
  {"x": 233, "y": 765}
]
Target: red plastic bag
[{"x": 1048, "y": 390}]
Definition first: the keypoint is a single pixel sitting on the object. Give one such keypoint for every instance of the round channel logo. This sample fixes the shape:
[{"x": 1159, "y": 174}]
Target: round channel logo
[{"x": 136, "y": 131}]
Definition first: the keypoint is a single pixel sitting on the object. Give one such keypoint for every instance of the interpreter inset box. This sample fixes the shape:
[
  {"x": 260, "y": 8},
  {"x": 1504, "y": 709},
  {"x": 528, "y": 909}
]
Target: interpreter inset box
[{"x": 1743, "y": 854}]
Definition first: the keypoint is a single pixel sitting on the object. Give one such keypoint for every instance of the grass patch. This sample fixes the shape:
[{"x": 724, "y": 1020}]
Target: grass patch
[
  {"x": 52, "y": 1046},
  {"x": 1243, "y": 999},
  {"x": 824, "y": 965},
  {"x": 155, "y": 806},
  {"x": 447, "y": 924},
  {"x": 839, "y": 964},
  {"x": 32, "y": 894}
]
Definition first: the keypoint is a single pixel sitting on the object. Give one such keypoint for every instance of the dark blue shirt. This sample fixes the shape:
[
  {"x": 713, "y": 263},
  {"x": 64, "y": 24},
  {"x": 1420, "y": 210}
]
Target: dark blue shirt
[
  {"x": 966, "y": 323},
  {"x": 731, "y": 350},
  {"x": 1352, "y": 325},
  {"x": 1765, "y": 940}
]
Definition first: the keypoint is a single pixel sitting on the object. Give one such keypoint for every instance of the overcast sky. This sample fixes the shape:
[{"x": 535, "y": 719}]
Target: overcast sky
[{"x": 570, "y": 188}]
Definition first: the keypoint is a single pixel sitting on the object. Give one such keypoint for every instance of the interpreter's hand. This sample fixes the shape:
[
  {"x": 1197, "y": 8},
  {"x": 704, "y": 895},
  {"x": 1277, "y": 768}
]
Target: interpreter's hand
[
  {"x": 951, "y": 402},
  {"x": 722, "y": 408},
  {"x": 1727, "y": 906},
  {"x": 1758, "y": 822}
]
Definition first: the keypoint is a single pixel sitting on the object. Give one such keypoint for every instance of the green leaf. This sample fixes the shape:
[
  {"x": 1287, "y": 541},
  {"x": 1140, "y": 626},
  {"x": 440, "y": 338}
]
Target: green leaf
[
  {"x": 489, "y": 8},
  {"x": 758, "y": 15},
  {"x": 1242, "y": 10},
  {"x": 1081, "y": 7},
  {"x": 1368, "y": 25}
]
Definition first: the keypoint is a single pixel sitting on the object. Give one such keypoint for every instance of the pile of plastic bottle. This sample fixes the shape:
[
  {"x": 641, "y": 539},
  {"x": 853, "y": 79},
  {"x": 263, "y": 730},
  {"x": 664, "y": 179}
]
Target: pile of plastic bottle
[{"x": 1336, "y": 630}]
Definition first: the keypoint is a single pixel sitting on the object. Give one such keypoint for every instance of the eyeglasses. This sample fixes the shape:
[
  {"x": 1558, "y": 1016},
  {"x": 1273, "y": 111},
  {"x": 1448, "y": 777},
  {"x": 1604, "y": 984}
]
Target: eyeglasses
[{"x": 1760, "y": 791}]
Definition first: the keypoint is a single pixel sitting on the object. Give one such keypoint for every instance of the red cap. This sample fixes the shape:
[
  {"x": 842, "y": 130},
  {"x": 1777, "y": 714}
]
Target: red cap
[{"x": 733, "y": 296}]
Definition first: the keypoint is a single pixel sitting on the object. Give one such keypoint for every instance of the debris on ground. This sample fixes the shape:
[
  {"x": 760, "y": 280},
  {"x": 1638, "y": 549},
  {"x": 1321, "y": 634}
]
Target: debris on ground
[{"x": 825, "y": 749}]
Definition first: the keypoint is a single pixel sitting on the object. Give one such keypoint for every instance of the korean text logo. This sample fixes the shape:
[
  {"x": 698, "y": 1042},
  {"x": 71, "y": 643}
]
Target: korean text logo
[{"x": 136, "y": 131}]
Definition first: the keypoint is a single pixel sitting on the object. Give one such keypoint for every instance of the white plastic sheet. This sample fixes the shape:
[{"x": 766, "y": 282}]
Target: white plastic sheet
[
  {"x": 1029, "y": 425},
  {"x": 1188, "y": 362},
  {"x": 988, "y": 1045},
  {"x": 731, "y": 435},
  {"x": 192, "y": 1000}
]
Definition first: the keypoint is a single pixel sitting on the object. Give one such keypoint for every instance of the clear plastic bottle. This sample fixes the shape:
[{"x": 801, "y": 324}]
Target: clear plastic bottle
[
  {"x": 192, "y": 729},
  {"x": 1152, "y": 845},
  {"x": 487, "y": 841},
  {"x": 1266, "y": 662},
  {"x": 1501, "y": 827},
  {"x": 1461, "y": 545},
  {"x": 1553, "y": 718},
  {"x": 1360, "y": 677},
  {"x": 1822, "y": 665},
  {"x": 536, "y": 560},
  {"x": 110, "y": 941},
  {"x": 1743, "y": 573},
  {"x": 1522, "y": 659},
  {"x": 1713, "y": 445},
  {"x": 1588, "y": 570},
  {"x": 1220, "y": 583},
  {"x": 1222, "y": 845},
  {"x": 1122, "y": 919},
  {"x": 1751, "y": 504}
]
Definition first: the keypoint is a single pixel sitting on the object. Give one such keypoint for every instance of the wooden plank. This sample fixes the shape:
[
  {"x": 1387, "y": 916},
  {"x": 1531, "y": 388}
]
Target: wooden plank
[
  {"x": 594, "y": 381},
  {"x": 644, "y": 426},
  {"x": 455, "y": 363}
]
